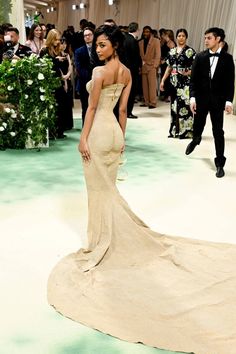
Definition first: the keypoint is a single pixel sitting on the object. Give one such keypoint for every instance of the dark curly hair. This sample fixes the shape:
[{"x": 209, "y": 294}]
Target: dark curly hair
[{"x": 113, "y": 34}]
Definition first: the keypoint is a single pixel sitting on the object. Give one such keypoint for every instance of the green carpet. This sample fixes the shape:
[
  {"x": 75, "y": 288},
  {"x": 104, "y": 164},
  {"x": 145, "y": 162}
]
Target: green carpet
[{"x": 28, "y": 174}]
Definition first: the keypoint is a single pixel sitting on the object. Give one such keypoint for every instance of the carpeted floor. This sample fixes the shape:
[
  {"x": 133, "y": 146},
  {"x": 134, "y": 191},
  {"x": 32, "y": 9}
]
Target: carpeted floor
[{"x": 43, "y": 216}]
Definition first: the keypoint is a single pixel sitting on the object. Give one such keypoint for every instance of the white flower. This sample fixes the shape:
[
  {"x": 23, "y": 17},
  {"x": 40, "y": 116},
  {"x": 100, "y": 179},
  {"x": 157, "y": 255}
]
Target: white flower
[
  {"x": 12, "y": 110},
  {"x": 1, "y": 129},
  {"x": 14, "y": 61},
  {"x": 26, "y": 96},
  {"x": 32, "y": 56},
  {"x": 42, "y": 97},
  {"x": 12, "y": 133},
  {"x": 40, "y": 76},
  {"x": 10, "y": 88},
  {"x": 29, "y": 82},
  {"x": 189, "y": 52},
  {"x": 51, "y": 106},
  {"x": 41, "y": 89},
  {"x": 7, "y": 109},
  {"x": 29, "y": 131},
  {"x": 13, "y": 115},
  {"x": 4, "y": 124}
]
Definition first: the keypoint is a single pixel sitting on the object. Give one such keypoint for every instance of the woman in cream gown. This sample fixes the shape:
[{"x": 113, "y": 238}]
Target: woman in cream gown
[{"x": 131, "y": 282}]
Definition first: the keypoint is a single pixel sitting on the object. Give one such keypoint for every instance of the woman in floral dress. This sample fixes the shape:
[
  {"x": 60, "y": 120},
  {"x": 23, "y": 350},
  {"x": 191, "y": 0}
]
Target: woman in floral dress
[{"x": 179, "y": 63}]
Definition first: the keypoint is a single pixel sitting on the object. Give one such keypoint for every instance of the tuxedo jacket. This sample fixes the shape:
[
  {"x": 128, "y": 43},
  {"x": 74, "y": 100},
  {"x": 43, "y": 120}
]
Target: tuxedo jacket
[
  {"x": 23, "y": 51},
  {"x": 218, "y": 89},
  {"x": 151, "y": 58},
  {"x": 83, "y": 66},
  {"x": 132, "y": 57}
]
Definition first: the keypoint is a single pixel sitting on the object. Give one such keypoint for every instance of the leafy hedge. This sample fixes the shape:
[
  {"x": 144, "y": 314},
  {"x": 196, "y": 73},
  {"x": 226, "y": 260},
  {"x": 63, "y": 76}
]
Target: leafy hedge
[{"x": 28, "y": 105}]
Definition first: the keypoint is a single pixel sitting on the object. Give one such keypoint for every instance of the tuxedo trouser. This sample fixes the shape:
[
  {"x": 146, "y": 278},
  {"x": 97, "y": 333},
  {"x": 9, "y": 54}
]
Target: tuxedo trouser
[
  {"x": 217, "y": 119},
  {"x": 149, "y": 83},
  {"x": 133, "y": 93}
]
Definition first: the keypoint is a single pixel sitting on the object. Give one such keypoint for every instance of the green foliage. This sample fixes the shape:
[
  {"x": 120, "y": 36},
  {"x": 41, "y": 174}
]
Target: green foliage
[
  {"x": 28, "y": 106},
  {"x": 5, "y": 10}
]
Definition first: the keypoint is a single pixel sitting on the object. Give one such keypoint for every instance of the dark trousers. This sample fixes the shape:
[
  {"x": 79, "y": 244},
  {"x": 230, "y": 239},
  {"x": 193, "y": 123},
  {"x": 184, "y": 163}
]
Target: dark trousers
[
  {"x": 84, "y": 101},
  {"x": 133, "y": 92},
  {"x": 217, "y": 119}
]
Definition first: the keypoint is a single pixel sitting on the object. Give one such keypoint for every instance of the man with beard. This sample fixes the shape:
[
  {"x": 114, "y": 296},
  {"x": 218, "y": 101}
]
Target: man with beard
[{"x": 150, "y": 52}]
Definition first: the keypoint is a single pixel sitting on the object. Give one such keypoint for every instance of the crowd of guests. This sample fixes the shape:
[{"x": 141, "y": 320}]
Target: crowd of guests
[{"x": 151, "y": 56}]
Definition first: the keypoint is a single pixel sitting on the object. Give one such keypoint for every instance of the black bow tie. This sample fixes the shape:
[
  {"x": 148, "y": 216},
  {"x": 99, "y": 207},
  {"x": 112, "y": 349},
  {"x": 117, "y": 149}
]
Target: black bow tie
[{"x": 214, "y": 54}]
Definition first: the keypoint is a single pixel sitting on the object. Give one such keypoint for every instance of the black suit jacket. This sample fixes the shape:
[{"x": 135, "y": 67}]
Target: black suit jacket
[
  {"x": 220, "y": 88},
  {"x": 83, "y": 67},
  {"x": 131, "y": 54},
  {"x": 23, "y": 51}
]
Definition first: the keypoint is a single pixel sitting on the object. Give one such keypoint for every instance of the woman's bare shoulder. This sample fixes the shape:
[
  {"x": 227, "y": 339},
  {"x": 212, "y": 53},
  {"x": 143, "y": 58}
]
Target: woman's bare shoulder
[
  {"x": 98, "y": 70},
  {"x": 126, "y": 72}
]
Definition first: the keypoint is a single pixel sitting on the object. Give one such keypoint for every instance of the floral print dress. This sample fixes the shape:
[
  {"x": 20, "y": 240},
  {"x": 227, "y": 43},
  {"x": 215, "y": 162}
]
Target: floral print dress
[{"x": 181, "y": 116}]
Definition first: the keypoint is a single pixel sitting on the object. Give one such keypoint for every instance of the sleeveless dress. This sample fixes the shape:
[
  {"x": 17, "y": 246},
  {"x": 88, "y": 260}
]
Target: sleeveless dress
[{"x": 136, "y": 284}]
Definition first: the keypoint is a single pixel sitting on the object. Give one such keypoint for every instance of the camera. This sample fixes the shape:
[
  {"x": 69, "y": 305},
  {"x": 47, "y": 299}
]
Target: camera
[
  {"x": 8, "y": 51},
  {"x": 9, "y": 54}
]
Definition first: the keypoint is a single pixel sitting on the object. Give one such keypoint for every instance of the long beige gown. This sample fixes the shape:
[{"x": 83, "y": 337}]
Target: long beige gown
[{"x": 135, "y": 284}]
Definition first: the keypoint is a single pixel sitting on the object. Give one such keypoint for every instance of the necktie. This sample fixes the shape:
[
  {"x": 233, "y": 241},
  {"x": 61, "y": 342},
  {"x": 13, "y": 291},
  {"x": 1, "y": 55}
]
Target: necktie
[{"x": 89, "y": 51}]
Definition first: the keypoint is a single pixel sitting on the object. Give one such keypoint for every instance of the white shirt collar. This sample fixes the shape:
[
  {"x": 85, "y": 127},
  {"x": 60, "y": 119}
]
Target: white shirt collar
[{"x": 218, "y": 51}]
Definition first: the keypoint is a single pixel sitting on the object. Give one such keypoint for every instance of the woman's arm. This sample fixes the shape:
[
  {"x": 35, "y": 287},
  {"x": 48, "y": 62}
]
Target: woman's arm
[
  {"x": 97, "y": 81},
  {"x": 69, "y": 72},
  {"x": 167, "y": 73},
  {"x": 123, "y": 106}
]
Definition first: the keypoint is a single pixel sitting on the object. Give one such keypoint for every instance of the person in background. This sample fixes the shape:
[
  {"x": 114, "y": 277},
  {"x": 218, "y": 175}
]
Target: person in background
[
  {"x": 13, "y": 49},
  {"x": 66, "y": 74},
  {"x": 35, "y": 39},
  {"x": 53, "y": 50},
  {"x": 212, "y": 91},
  {"x": 79, "y": 35},
  {"x": 133, "y": 61},
  {"x": 169, "y": 38},
  {"x": 84, "y": 68},
  {"x": 109, "y": 22},
  {"x": 179, "y": 63},
  {"x": 164, "y": 95},
  {"x": 150, "y": 52},
  {"x": 44, "y": 30}
]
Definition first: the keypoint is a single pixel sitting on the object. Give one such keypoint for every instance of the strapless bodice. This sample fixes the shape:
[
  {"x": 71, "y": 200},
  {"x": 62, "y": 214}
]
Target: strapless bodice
[{"x": 109, "y": 96}]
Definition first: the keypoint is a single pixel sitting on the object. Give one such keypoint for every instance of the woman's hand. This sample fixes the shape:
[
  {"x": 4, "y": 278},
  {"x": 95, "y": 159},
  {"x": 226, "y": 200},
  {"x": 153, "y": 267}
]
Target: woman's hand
[
  {"x": 84, "y": 150},
  {"x": 162, "y": 85}
]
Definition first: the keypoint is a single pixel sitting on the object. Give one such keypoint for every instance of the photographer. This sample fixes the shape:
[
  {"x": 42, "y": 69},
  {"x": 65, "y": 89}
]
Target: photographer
[{"x": 12, "y": 48}]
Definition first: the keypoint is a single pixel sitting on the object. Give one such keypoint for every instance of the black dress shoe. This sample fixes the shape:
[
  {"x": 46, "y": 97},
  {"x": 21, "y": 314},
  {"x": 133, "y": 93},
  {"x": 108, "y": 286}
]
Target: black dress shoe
[
  {"x": 142, "y": 105},
  {"x": 151, "y": 107},
  {"x": 191, "y": 146},
  {"x": 220, "y": 172},
  {"x": 131, "y": 115}
]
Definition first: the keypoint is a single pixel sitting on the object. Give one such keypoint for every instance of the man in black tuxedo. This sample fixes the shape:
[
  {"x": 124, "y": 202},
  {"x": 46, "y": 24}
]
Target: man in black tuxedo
[
  {"x": 13, "y": 49},
  {"x": 212, "y": 90},
  {"x": 133, "y": 61},
  {"x": 84, "y": 68}
]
